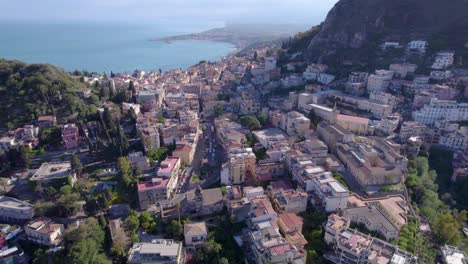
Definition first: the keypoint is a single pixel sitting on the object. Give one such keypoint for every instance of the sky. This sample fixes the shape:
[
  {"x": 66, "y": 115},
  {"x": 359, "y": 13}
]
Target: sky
[{"x": 308, "y": 12}]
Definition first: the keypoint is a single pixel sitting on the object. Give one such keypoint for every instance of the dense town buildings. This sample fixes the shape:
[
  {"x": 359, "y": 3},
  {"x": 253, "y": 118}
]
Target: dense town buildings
[{"x": 317, "y": 140}]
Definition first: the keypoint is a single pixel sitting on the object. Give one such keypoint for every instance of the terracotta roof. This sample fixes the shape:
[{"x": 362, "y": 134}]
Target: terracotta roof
[
  {"x": 195, "y": 229},
  {"x": 291, "y": 220}
]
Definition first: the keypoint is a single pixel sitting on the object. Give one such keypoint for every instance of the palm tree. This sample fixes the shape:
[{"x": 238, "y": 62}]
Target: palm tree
[
  {"x": 3, "y": 182},
  {"x": 178, "y": 210}
]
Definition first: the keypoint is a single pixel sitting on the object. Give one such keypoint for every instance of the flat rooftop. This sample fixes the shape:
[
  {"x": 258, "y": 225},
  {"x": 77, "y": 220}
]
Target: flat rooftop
[
  {"x": 161, "y": 247},
  {"x": 10, "y": 202},
  {"x": 167, "y": 166},
  {"x": 55, "y": 170},
  {"x": 155, "y": 183}
]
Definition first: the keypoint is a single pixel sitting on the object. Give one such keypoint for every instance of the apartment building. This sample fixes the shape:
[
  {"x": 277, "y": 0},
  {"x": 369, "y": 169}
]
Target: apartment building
[
  {"x": 441, "y": 110},
  {"x": 379, "y": 81},
  {"x": 453, "y": 255},
  {"x": 443, "y": 60},
  {"x": 268, "y": 137},
  {"x": 389, "y": 124},
  {"x": 44, "y": 231},
  {"x": 170, "y": 169},
  {"x": 411, "y": 129},
  {"x": 351, "y": 246},
  {"x": 241, "y": 164},
  {"x": 70, "y": 136},
  {"x": 374, "y": 220},
  {"x": 327, "y": 194},
  {"x": 290, "y": 201},
  {"x": 295, "y": 123},
  {"x": 290, "y": 226},
  {"x": 417, "y": 45},
  {"x": 195, "y": 234},
  {"x": 138, "y": 161},
  {"x": 152, "y": 192},
  {"x": 402, "y": 70},
  {"x": 316, "y": 148},
  {"x": 13, "y": 210},
  {"x": 159, "y": 251},
  {"x": 267, "y": 170}
]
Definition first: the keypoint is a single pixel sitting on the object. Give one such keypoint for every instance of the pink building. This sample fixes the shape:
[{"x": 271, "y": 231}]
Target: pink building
[
  {"x": 70, "y": 136},
  {"x": 150, "y": 192},
  {"x": 169, "y": 169}
]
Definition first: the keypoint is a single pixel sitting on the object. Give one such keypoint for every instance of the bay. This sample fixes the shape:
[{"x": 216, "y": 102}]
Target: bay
[{"x": 105, "y": 47}]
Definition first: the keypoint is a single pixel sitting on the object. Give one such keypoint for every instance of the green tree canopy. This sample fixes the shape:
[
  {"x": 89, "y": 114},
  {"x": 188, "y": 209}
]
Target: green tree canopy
[
  {"x": 251, "y": 122},
  {"x": 87, "y": 251}
]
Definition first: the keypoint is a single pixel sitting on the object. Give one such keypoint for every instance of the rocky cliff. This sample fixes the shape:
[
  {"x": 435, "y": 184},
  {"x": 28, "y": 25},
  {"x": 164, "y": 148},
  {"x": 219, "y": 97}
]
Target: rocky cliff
[{"x": 353, "y": 27}]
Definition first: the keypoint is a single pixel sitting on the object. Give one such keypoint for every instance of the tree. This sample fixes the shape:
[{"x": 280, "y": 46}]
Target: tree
[
  {"x": 263, "y": 119},
  {"x": 175, "y": 229},
  {"x": 76, "y": 165},
  {"x": 90, "y": 229},
  {"x": 125, "y": 171},
  {"x": 50, "y": 137},
  {"x": 210, "y": 249},
  {"x": 132, "y": 222},
  {"x": 447, "y": 230},
  {"x": 158, "y": 154},
  {"x": 66, "y": 189},
  {"x": 218, "y": 110},
  {"x": 250, "y": 122},
  {"x": 50, "y": 191},
  {"x": 43, "y": 208},
  {"x": 20, "y": 157},
  {"x": 250, "y": 140},
  {"x": 67, "y": 205},
  {"x": 178, "y": 210},
  {"x": 223, "y": 260},
  {"x": 87, "y": 251},
  {"x": 147, "y": 222},
  {"x": 120, "y": 242},
  {"x": 3, "y": 183},
  {"x": 104, "y": 92}
]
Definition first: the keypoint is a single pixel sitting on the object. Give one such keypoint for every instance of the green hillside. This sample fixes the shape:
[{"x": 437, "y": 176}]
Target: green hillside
[{"x": 31, "y": 90}]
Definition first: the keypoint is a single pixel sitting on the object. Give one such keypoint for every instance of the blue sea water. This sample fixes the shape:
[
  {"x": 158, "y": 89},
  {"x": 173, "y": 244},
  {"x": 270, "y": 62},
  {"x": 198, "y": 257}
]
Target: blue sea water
[{"x": 106, "y": 47}]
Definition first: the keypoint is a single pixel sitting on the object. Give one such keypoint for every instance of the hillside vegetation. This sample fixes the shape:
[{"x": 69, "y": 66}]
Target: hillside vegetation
[
  {"x": 31, "y": 90},
  {"x": 354, "y": 29}
]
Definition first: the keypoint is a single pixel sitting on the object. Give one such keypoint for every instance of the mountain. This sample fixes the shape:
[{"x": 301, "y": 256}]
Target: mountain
[
  {"x": 31, "y": 90},
  {"x": 353, "y": 29},
  {"x": 242, "y": 35}
]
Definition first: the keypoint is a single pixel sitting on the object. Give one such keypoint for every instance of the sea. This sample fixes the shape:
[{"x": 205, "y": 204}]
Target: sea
[{"x": 105, "y": 47}]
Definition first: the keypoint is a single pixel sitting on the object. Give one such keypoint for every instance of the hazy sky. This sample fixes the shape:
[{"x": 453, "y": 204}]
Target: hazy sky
[{"x": 309, "y": 12}]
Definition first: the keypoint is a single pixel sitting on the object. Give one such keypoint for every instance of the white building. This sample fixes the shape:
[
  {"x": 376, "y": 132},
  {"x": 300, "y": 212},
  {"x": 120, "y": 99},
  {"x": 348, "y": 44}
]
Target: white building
[
  {"x": 159, "y": 251},
  {"x": 13, "y": 210},
  {"x": 313, "y": 71},
  {"x": 443, "y": 60},
  {"x": 139, "y": 160},
  {"x": 417, "y": 45},
  {"x": 324, "y": 78},
  {"x": 358, "y": 77},
  {"x": 441, "y": 109},
  {"x": 295, "y": 123},
  {"x": 379, "y": 81},
  {"x": 329, "y": 194},
  {"x": 453, "y": 255},
  {"x": 6, "y": 143},
  {"x": 402, "y": 70}
]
